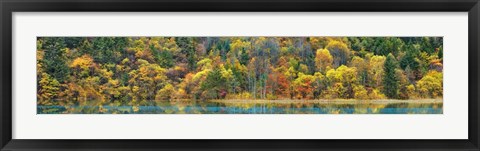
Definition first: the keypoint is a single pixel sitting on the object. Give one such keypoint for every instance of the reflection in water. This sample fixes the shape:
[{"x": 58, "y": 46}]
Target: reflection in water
[{"x": 192, "y": 107}]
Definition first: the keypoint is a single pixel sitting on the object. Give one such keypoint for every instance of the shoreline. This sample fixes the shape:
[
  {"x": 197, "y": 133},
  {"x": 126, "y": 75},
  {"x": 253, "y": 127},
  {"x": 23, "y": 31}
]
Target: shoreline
[{"x": 326, "y": 101}]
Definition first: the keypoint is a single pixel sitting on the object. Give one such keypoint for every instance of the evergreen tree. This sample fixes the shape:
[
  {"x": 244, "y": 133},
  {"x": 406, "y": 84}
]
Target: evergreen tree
[
  {"x": 165, "y": 59},
  {"x": 213, "y": 85},
  {"x": 187, "y": 46},
  {"x": 410, "y": 59},
  {"x": 440, "y": 53},
  {"x": 390, "y": 80},
  {"x": 244, "y": 58},
  {"x": 55, "y": 64}
]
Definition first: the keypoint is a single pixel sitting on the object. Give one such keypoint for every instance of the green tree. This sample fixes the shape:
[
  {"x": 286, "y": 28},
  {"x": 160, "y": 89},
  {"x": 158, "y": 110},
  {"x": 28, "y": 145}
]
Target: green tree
[
  {"x": 54, "y": 62},
  {"x": 214, "y": 85},
  {"x": 187, "y": 46},
  {"x": 390, "y": 79}
]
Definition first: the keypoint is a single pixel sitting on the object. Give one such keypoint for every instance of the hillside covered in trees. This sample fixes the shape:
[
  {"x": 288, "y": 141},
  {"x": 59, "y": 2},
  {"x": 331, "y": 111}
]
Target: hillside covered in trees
[{"x": 148, "y": 70}]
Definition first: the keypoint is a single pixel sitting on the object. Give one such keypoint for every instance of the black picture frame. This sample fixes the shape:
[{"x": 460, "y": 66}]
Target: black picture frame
[{"x": 7, "y": 7}]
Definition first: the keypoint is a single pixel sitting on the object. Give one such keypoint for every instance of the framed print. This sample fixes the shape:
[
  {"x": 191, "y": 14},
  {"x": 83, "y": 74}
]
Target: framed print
[{"x": 239, "y": 75}]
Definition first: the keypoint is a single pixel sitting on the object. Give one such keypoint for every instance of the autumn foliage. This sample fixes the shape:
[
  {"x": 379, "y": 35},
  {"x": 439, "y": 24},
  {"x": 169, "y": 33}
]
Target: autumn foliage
[{"x": 149, "y": 70}]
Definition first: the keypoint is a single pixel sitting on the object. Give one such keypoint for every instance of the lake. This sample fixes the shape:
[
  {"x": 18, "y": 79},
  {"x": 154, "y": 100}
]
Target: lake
[{"x": 252, "y": 108}]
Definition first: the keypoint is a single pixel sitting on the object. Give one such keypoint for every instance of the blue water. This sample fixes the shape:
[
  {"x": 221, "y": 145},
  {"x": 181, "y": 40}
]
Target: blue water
[{"x": 220, "y": 108}]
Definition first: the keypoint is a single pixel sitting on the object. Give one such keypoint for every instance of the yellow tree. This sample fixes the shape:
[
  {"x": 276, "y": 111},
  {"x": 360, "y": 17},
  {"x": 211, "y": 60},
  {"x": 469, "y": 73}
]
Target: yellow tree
[
  {"x": 344, "y": 78},
  {"x": 361, "y": 66},
  {"x": 48, "y": 90},
  {"x": 165, "y": 94},
  {"x": 304, "y": 85},
  {"x": 87, "y": 80},
  {"x": 375, "y": 70},
  {"x": 146, "y": 80},
  {"x": 320, "y": 84},
  {"x": 323, "y": 60},
  {"x": 340, "y": 52},
  {"x": 239, "y": 48},
  {"x": 431, "y": 85},
  {"x": 83, "y": 66}
]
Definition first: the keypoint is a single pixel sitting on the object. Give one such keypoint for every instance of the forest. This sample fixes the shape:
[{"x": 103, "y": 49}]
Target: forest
[{"x": 135, "y": 71}]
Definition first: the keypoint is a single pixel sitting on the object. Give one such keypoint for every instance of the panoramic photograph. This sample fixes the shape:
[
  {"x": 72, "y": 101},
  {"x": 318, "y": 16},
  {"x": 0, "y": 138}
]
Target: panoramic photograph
[{"x": 239, "y": 75}]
